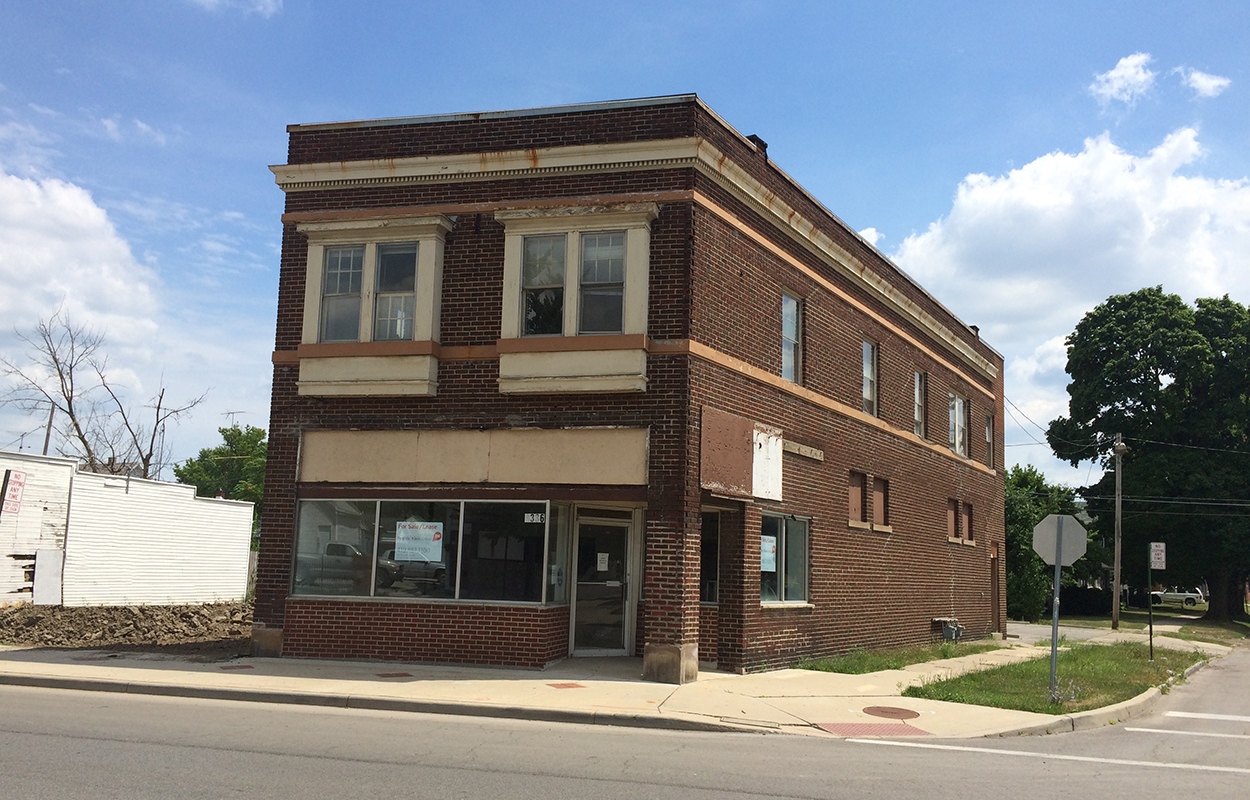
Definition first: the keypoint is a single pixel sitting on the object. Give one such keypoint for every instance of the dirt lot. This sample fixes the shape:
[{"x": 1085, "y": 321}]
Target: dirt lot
[{"x": 213, "y": 632}]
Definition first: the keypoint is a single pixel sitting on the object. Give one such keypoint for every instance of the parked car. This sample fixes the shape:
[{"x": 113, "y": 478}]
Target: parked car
[
  {"x": 423, "y": 571},
  {"x": 1186, "y": 597},
  {"x": 341, "y": 561}
]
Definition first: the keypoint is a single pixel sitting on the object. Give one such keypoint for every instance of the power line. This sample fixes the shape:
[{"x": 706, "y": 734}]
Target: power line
[{"x": 1189, "y": 446}]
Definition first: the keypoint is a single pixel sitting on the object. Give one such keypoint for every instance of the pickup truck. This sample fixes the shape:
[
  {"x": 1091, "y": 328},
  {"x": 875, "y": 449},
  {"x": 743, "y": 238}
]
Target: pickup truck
[{"x": 343, "y": 563}]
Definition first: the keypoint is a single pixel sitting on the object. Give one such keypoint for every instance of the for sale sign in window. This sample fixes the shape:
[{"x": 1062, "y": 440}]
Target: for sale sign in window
[{"x": 418, "y": 541}]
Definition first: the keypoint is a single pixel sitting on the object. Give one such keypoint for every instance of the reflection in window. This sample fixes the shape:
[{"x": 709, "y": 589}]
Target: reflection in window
[
  {"x": 396, "y": 292},
  {"x": 791, "y": 346},
  {"x": 558, "y": 547},
  {"x": 783, "y": 560},
  {"x": 542, "y": 285},
  {"x": 420, "y": 541},
  {"x": 503, "y": 551},
  {"x": 333, "y": 548},
  {"x": 870, "y": 378}
]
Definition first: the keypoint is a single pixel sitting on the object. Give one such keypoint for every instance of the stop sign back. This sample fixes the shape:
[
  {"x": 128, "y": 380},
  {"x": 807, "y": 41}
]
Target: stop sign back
[{"x": 1062, "y": 530}]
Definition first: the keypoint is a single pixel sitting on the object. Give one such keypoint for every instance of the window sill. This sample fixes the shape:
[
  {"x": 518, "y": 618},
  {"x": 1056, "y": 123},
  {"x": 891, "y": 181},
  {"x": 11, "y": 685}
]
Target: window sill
[
  {"x": 368, "y": 368},
  {"x": 854, "y": 523},
  {"x": 960, "y": 540},
  {"x": 573, "y": 364},
  {"x": 883, "y": 528},
  {"x": 775, "y": 605}
]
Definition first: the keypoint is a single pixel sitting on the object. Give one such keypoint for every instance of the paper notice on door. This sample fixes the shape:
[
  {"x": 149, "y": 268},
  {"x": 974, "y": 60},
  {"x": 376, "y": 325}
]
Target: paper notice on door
[
  {"x": 603, "y": 562},
  {"x": 768, "y": 553}
]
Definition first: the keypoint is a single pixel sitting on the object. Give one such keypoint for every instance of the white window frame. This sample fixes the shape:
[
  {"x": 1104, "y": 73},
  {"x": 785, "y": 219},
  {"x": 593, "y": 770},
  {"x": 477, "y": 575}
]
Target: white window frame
[
  {"x": 870, "y": 378},
  {"x": 426, "y": 232},
  {"x": 632, "y": 218},
  {"x": 958, "y": 423}
]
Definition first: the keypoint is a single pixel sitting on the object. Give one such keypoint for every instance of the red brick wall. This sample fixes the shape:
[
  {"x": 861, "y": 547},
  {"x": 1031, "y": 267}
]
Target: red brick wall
[
  {"x": 451, "y": 633},
  {"x": 708, "y": 631}
]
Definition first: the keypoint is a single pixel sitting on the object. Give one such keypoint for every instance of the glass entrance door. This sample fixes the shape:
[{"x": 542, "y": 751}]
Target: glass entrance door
[{"x": 599, "y": 614}]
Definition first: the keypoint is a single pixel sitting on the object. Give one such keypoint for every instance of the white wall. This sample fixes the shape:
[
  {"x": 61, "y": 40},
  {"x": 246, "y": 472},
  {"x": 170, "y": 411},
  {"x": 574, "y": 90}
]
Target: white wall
[
  {"x": 40, "y": 522},
  {"x": 136, "y": 542}
]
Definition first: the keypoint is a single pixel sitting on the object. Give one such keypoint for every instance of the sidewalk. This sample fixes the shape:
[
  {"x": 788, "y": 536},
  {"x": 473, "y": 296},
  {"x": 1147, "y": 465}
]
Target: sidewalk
[{"x": 586, "y": 690}]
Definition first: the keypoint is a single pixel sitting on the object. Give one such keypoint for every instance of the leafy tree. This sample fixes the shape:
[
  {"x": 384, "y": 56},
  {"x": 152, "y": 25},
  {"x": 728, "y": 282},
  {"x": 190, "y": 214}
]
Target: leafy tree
[
  {"x": 65, "y": 374},
  {"x": 1173, "y": 379},
  {"x": 235, "y": 468},
  {"x": 1029, "y": 498}
]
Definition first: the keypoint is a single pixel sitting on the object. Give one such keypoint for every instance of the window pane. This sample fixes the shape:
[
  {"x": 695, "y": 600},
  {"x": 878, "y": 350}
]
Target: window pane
[
  {"x": 790, "y": 332},
  {"x": 789, "y": 317},
  {"x": 397, "y": 267},
  {"x": 542, "y": 263},
  {"x": 334, "y": 548},
  {"x": 770, "y": 555},
  {"x": 503, "y": 551},
  {"x": 394, "y": 320},
  {"x": 343, "y": 269},
  {"x": 709, "y": 557},
  {"x": 602, "y": 309},
  {"x": 544, "y": 312},
  {"x": 340, "y": 318},
  {"x": 603, "y": 257},
  {"x": 787, "y": 359},
  {"x": 796, "y": 560},
  {"x": 419, "y": 543},
  {"x": 921, "y": 391}
]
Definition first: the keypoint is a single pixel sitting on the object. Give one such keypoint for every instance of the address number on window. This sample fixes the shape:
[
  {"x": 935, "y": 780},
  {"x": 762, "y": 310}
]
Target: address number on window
[{"x": 539, "y": 517}]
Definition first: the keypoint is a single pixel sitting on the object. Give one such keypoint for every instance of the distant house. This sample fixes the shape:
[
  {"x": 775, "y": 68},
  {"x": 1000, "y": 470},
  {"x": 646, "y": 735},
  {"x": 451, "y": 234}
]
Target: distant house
[
  {"x": 75, "y": 538},
  {"x": 603, "y": 379}
]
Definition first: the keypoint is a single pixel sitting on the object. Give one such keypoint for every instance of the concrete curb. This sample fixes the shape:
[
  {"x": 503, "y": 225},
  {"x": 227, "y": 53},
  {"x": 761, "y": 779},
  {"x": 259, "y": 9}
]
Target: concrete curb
[
  {"x": 1100, "y": 717},
  {"x": 381, "y": 704}
]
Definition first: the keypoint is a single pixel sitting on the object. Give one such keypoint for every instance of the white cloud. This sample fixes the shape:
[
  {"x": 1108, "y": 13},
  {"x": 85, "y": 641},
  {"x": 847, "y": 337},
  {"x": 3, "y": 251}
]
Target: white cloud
[
  {"x": 265, "y": 8},
  {"x": 24, "y": 148},
  {"x": 1026, "y": 254},
  {"x": 872, "y": 236},
  {"x": 112, "y": 128},
  {"x": 149, "y": 132},
  {"x": 1203, "y": 84},
  {"x": 1128, "y": 80}
]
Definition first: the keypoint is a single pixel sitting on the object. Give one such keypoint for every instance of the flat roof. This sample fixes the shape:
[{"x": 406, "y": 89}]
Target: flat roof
[{"x": 573, "y": 108}]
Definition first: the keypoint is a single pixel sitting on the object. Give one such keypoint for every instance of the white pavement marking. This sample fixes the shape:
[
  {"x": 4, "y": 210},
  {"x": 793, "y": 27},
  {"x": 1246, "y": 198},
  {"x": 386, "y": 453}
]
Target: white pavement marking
[
  {"x": 1191, "y": 733},
  {"x": 1193, "y": 715},
  {"x": 1030, "y": 754}
]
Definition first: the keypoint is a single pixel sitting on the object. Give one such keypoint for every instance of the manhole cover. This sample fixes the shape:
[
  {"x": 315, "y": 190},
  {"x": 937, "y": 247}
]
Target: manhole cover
[{"x": 891, "y": 712}]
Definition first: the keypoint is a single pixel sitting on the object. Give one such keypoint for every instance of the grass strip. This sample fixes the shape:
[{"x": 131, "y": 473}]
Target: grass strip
[
  {"x": 858, "y": 662},
  {"x": 1088, "y": 676}
]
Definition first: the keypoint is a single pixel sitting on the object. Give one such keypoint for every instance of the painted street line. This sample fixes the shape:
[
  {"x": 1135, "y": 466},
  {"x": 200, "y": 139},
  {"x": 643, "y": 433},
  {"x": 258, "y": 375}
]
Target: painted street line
[
  {"x": 1191, "y": 733},
  {"x": 1192, "y": 715},
  {"x": 1030, "y": 754}
]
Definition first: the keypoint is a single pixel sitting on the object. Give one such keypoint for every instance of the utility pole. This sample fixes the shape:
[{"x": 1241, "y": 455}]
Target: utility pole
[
  {"x": 1119, "y": 449},
  {"x": 47, "y": 435}
]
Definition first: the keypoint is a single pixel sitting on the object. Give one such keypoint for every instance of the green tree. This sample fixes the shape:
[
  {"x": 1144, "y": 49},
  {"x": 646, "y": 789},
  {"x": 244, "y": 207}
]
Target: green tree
[
  {"x": 1173, "y": 379},
  {"x": 1029, "y": 498},
  {"x": 235, "y": 468}
]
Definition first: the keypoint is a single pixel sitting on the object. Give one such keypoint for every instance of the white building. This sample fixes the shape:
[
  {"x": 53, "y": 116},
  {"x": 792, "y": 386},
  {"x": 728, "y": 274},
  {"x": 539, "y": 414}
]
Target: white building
[{"x": 112, "y": 540}]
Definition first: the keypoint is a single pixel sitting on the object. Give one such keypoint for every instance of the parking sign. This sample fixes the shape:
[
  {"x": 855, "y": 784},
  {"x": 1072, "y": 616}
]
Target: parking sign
[{"x": 1158, "y": 555}]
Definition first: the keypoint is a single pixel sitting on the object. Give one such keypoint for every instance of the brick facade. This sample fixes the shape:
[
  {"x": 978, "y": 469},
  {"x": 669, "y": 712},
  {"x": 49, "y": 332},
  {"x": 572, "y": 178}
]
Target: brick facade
[{"x": 717, "y": 266}]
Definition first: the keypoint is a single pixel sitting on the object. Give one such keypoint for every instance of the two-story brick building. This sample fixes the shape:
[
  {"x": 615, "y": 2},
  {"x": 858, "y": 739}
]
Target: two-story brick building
[{"x": 602, "y": 379}]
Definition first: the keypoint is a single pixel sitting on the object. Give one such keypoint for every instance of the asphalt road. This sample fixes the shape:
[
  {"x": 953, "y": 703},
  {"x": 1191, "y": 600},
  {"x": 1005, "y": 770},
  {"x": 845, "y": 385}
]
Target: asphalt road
[{"x": 70, "y": 745}]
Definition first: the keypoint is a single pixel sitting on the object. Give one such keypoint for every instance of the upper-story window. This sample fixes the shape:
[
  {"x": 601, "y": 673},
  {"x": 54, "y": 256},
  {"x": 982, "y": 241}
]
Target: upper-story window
[
  {"x": 395, "y": 299},
  {"x": 542, "y": 285},
  {"x": 602, "y": 283},
  {"x": 373, "y": 280},
  {"x": 340, "y": 298},
  {"x": 959, "y": 424},
  {"x": 791, "y": 342},
  {"x": 920, "y": 404},
  {"x": 870, "y": 377}
]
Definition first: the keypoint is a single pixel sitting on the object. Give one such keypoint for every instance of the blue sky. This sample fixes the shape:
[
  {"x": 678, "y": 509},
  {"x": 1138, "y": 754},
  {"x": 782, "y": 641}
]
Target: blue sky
[{"x": 976, "y": 141}]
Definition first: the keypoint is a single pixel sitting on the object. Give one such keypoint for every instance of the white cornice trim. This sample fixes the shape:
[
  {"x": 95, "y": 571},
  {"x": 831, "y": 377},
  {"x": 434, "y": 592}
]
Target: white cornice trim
[{"x": 687, "y": 152}]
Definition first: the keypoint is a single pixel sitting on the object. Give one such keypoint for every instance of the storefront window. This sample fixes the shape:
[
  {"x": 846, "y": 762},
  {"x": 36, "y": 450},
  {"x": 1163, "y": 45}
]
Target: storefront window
[
  {"x": 420, "y": 542},
  {"x": 334, "y": 548},
  {"x": 504, "y": 546}
]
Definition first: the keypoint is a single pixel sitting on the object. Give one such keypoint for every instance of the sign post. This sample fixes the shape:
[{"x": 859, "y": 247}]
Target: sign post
[
  {"x": 1060, "y": 540},
  {"x": 1158, "y": 560}
]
